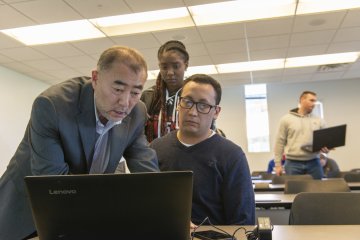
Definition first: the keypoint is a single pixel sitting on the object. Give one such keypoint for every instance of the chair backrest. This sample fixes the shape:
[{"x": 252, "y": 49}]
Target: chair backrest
[
  {"x": 283, "y": 178},
  {"x": 331, "y": 185},
  {"x": 325, "y": 209},
  {"x": 355, "y": 170},
  {"x": 352, "y": 177},
  {"x": 343, "y": 173}
]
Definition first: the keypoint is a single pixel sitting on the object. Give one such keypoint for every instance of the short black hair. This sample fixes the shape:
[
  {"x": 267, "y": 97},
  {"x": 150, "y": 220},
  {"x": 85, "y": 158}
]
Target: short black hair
[
  {"x": 304, "y": 93},
  {"x": 206, "y": 79}
]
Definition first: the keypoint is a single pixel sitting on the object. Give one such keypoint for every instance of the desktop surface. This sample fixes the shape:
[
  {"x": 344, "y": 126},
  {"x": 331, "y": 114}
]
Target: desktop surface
[
  {"x": 294, "y": 232},
  {"x": 308, "y": 232}
]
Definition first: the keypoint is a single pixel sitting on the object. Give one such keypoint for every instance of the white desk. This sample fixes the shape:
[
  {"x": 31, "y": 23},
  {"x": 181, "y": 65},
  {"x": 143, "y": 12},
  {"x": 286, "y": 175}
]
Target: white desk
[
  {"x": 308, "y": 232},
  {"x": 268, "y": 200},
  {"x": 274, "y": 205},
  {"x": 266, "y": 186},
  {"x": 299, "y": 232}
]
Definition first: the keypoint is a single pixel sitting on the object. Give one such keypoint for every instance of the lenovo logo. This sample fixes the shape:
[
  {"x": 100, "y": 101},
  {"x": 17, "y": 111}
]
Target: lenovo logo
[{"x": 63, "y": 191}]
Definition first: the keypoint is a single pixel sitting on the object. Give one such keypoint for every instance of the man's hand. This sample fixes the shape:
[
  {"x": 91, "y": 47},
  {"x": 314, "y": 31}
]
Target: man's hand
[
  {"x": 192, "y": 226},
  {"x": 325, "y": 150},
  {"x": 278, "y": 170}
]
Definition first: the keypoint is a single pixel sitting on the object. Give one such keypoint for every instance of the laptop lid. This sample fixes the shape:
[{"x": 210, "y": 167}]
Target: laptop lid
[
  {"x": 112, "y": 206},
  {"x": 329, "y": 137}
]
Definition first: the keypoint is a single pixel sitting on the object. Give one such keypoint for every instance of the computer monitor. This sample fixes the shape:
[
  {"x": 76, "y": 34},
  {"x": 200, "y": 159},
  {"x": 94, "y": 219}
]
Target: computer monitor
[{"x": 112, "y": 206}]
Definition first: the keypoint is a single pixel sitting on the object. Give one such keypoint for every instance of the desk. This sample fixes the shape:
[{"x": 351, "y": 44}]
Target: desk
[
  {"x": 301, "y": 232},
  {"x": 265, "y": 186},
  {"x": 268, "y": 200},
  {"x": 274, "y": 205}
]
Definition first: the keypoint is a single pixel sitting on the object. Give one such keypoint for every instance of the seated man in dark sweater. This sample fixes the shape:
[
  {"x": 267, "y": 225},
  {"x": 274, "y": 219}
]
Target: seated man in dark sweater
[
  {"x": 223, "y": 189},
  {"x": 330, "y": 167}
]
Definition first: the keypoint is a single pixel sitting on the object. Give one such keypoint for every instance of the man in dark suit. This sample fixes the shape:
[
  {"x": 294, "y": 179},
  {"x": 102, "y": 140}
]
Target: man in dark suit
[{"x": 83, "y": 125}]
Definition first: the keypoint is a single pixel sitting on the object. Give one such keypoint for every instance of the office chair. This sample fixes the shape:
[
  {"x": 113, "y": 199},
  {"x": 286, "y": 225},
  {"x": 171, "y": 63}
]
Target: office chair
[
  {"x": 283, "y": 178},
  {"x": 325, "y": 209},
  {"x": 352, "y": 177},
  {"x": 331, "y": 185}
]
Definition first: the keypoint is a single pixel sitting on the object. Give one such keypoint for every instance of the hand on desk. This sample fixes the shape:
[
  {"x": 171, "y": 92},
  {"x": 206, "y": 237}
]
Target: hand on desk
[{"x": 192, "y": 226}]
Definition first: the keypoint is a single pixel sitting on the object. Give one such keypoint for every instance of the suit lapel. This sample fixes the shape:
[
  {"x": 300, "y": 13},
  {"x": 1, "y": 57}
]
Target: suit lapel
[
  {"x": 118, "y": 141},
  {"x": 87, "y": 122}
]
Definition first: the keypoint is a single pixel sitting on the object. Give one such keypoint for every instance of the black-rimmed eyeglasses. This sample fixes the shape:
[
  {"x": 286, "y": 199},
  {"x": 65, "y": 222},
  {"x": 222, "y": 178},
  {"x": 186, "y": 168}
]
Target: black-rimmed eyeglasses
[{"x": 200, "y": 107}]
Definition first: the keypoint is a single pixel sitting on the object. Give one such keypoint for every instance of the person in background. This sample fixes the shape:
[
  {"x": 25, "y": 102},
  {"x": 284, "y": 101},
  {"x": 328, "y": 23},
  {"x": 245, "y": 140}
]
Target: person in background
[
  {"x": 330, "y": 167},
  {"x": 223, "y": 189},
  {"x": 162, "y": 98},
  {"x": 294, "y": 138},
  {"x": 81, "y": 126},
  {"x": 271, "y": 164}
]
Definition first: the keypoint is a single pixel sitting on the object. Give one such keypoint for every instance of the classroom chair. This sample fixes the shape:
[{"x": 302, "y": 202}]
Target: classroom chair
[
  {"x": 331, "y": 185},
  {"x": 283, "y": 178},
  {"x": 352, "y": 177},
  {"x": 341, "y": 208}
]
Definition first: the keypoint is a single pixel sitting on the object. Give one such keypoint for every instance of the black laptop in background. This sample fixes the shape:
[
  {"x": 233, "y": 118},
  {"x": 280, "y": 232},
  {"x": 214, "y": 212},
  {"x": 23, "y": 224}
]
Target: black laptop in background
[
  {"x": 113, "y": 206},
  {"x": 330, "y": 137}
]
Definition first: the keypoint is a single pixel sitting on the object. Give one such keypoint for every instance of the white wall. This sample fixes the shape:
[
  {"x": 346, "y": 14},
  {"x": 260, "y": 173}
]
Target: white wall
[
  {"x": 17, "y": 93},
  {"x": 340, "y": 101}
]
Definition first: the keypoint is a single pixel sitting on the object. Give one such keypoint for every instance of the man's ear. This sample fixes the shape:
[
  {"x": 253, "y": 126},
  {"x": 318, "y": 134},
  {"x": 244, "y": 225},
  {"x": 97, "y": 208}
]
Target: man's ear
[
  {"x": 217, "y": 111},
  {"x": 94, "y": 78}
]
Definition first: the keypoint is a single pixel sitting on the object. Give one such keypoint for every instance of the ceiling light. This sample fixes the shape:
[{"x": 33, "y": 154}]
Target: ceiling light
[
  {"x": 241, "y": 10},
  {"x": 270, "y": 64},
  {"x": 152, "y": 74},
  {"x": 206, "y": 69},
  {"x": 144, "y": 21},
  {"x": 321, "y": 59},
  {"x": 315, "y": 6},
  {"x": 250, "y": 66},
  {"x": 54, "y": 32}
]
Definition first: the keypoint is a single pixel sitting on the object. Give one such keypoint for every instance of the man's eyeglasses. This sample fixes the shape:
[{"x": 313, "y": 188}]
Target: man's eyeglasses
[{"x": 200, "y": 107}]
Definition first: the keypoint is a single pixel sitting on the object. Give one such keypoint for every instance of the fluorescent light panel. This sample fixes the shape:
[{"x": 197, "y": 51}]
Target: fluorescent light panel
[
  {"x": 250, "y": 66},
  {"x": 54, "y": 32},
  {"x": 215, "y": 13},
  {"x": 208, "y": 69},
  {"x": 270, "y": 64},
  {"x": 144, "y": 21},
  {"x": 321, "y": 59},
  {"x": 316, "y": 6},
  {"x": 241, "y": 10}
]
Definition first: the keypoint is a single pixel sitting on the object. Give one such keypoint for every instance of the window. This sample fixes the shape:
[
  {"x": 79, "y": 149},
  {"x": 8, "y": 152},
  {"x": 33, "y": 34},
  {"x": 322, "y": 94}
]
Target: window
[
  {"x": 318, "y": 110},
  {"x": 257, "y": 119}
]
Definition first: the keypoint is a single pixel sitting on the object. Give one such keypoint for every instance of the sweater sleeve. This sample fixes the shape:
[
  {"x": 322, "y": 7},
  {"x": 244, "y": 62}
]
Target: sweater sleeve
[
  {"x": 239, "y": 200},
  {"x": 280, "y": 142}
]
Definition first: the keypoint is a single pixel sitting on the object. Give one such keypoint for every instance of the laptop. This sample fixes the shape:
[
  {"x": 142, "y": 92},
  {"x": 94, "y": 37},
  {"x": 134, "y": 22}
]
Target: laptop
[
  {"x": 329, "y": 137},
  {"x": 112, "y": 206}
]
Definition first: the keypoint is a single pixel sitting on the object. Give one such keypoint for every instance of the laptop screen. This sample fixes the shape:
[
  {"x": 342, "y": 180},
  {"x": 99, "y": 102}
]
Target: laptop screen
[
  {"x": 329, "y": 137},
  {"x": 113, "y": 206}
]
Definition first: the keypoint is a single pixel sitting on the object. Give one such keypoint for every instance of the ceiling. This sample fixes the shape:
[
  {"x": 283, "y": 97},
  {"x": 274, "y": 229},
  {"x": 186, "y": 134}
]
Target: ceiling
[{"x": 315, "y": 34}]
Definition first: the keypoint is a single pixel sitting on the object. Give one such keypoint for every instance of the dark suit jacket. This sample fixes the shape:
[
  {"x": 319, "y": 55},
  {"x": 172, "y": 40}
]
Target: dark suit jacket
[{"x": 60, "y": 139}]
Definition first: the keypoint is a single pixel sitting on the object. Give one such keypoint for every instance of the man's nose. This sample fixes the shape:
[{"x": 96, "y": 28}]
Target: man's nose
[
  {"x": 193, "y": 110},
  {"x": 124, "y": 99}
]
